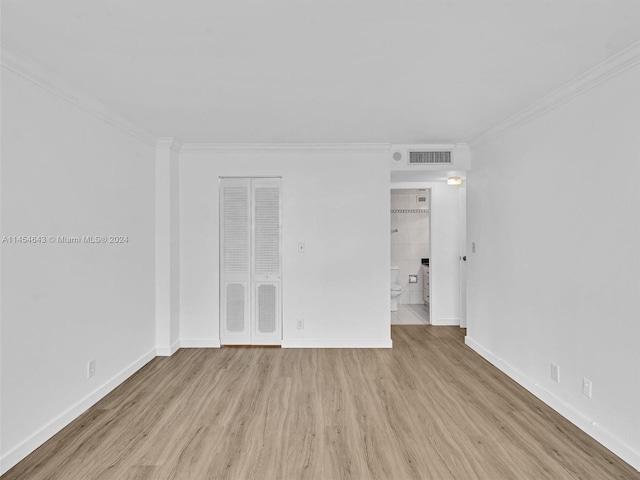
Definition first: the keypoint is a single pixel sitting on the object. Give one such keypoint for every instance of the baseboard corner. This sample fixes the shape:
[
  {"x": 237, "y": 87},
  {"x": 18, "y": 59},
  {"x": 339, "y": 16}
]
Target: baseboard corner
[{"x": 35, "y": 440}]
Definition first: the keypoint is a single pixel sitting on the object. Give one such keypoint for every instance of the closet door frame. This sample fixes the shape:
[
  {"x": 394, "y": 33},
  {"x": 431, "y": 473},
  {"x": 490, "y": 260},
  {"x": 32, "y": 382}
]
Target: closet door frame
[{"x": 250, "y": 279}]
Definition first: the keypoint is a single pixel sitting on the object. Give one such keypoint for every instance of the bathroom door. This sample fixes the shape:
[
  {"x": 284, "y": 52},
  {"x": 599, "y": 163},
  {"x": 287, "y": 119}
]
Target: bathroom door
[{"x": 250, "y": 261}]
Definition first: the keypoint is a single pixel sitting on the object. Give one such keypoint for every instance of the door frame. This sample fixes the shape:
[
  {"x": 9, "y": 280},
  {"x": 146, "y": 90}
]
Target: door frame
[
  {"x": 414, "y": 186},
  {"x": 252, "y": 282},
  {"x": 434, "y": 214}
]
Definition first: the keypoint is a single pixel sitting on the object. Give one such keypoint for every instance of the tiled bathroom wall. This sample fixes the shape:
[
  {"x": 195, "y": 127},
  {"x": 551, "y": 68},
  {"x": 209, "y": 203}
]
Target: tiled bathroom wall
[{"x": 411, "y": 242}]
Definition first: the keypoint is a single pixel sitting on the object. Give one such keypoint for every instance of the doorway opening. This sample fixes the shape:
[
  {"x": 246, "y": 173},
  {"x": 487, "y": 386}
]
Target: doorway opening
[
  {"x": 410, "y": 253},
  {"x": 447, "y": 244}
]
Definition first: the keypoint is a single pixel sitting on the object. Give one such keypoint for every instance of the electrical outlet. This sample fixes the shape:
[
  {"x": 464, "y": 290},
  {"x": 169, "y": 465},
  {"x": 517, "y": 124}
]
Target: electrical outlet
[
  {"x": 301, "y": 324},
  {"x": 586, "y": 387},
  {"x": 91, "y": 368},
  {"x": 300, "y": 247},
  {"x": 555, "y": 372}
]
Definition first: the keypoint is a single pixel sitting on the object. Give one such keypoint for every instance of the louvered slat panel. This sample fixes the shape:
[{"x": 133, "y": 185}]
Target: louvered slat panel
[
  {"x": 267, "y": 230},
  {"x": 236, "y": 229},
  {"x": 236, "y": 308},
  {"x": 267, "y": 308}
]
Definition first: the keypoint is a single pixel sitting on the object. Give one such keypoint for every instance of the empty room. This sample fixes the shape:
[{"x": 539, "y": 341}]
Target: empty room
[{"x": 319, "y": 240}]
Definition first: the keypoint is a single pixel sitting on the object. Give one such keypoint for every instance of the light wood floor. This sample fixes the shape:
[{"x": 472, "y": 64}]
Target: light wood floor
[{"x": 430, "y": 408}]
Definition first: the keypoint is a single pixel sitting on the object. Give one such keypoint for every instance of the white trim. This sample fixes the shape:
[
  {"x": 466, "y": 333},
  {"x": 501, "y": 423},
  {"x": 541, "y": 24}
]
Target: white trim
[
  {"x": 445, "y": 322},
  {"x": 611, "y": 67},
  {"x": 335, "y": 343},
  {"x": 19, "y": 452},
  {"x": 40, "y": 76},
  {"x": 286, "y": 147},
  {"x": 591, "y": 428},
  {"x": 164, "y": 351},
  {"x": 200, "y": 343},
  {"x": 169, "y": 142}
]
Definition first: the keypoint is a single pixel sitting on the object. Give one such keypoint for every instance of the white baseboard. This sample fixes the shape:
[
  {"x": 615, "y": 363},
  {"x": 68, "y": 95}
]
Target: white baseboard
[
  {"x": 296, "y": 343},
  {"x": 336, "y": 343},
  {"x": 591, "y": 428},
  {"x": 446, "y": 322},
  {"x": 13, "y": 456},
  {"x": 165, "y": 351},
  {"x": 200, "y": 343}
]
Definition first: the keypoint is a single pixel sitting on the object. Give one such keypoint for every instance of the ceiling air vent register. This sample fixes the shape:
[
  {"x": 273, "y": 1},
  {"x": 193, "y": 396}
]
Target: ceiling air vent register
[{"x": 437, "y": 157}]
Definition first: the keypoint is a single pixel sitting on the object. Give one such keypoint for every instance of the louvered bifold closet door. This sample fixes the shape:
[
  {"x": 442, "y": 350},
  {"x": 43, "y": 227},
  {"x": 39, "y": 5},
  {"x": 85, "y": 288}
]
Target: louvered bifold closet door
[
  {"x": 235, "y": 261},
  {"x": 267, "y": 261}
]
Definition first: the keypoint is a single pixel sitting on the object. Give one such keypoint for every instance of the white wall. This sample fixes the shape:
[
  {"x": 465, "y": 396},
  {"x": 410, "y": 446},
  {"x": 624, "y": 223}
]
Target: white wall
[
  {"x": 337, "y": 202},
  {"x": 66, "y": 172},
  {"x": 553, "y": 208}
]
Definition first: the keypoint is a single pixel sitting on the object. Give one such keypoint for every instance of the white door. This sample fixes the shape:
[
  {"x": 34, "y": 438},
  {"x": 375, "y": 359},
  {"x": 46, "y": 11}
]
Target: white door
[
  {"x": 463, "y": 256},
  {"x": 235, "y": 261},
  {"x": 250, "y": 261}
]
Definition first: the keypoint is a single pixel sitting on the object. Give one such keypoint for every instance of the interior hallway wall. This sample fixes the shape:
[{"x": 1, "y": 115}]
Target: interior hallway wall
[{"x": 553, "y": 210}]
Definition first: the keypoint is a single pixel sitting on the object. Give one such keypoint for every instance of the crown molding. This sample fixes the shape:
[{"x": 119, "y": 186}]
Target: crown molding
[
  {"x": 286, "y": 147},
  {"x": 602, "y": 72},
  {"x": 38, "y": 75},
  {"x": 425, "y": 146},
  {"x": 171, "y": 143}
]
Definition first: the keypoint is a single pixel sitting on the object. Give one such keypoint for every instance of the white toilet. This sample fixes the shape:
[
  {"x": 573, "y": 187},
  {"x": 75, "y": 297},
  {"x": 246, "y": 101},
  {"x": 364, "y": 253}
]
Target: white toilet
[{"x": 396, "y": 289}]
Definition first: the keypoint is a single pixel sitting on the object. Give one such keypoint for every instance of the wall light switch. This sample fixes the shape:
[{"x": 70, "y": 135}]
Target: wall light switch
[
  {"x": 473, "y": 247},
  {"x": 300, "y": 247},
  {"x": 555, "y": 373}
]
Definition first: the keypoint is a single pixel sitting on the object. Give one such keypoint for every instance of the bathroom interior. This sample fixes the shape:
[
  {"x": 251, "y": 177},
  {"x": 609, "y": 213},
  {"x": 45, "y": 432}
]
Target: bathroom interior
[{"x": 410, "y": 250}]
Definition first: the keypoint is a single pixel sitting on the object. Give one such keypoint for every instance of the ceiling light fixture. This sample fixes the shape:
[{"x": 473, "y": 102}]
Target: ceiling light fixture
[{"x": 454, "y": 181}]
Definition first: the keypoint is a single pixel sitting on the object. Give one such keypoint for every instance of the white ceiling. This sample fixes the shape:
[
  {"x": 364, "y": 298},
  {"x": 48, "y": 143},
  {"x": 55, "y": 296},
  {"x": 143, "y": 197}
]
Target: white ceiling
[{"x": 289, "y": 71}]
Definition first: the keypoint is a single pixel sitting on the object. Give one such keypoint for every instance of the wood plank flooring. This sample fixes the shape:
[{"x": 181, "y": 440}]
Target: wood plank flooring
[{"x": 430, "y": 408}]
